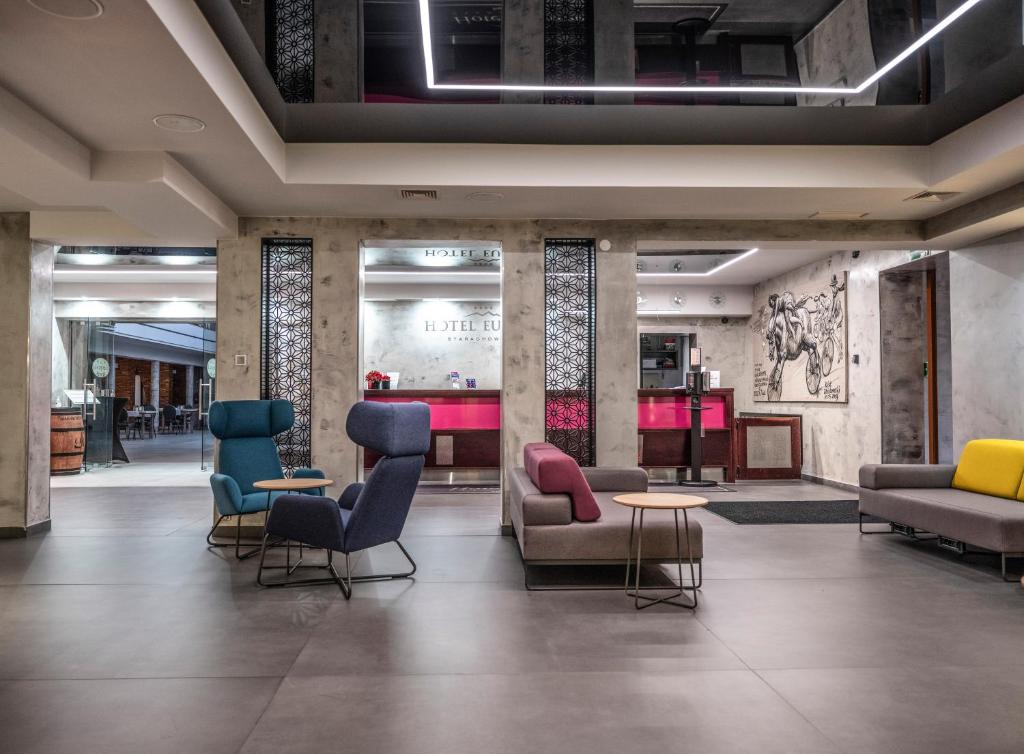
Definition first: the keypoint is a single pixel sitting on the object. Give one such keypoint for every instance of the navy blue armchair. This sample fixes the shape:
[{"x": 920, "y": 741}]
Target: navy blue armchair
[
  {"x": 368, "y": 514},
  {"x": 247, "y": 454}
]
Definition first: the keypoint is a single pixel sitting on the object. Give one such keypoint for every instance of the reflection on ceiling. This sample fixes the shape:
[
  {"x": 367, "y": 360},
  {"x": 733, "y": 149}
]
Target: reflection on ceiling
[{"x": 432, "y": 254}]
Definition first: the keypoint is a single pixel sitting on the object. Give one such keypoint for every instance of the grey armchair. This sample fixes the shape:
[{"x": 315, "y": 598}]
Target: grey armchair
[{"x": 367, "y": 514}]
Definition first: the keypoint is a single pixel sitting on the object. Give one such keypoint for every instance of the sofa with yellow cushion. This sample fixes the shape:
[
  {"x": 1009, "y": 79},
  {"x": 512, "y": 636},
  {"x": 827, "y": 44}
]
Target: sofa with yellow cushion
[{"x": 979, "y": 501}]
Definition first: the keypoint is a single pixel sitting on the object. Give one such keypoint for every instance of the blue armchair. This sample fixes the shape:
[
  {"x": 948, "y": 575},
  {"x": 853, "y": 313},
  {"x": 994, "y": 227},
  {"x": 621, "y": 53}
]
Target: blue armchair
[
  {"x": 368, "y": 514},
  {"x": 248, "y": 454}
]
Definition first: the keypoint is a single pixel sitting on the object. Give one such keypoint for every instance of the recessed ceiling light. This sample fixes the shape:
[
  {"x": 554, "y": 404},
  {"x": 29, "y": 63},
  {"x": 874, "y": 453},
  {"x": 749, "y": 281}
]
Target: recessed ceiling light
[
  {"x": 75, "y": 10},
  {"x": 485, "y": 196},
  {"x": 183, "y": 124}
]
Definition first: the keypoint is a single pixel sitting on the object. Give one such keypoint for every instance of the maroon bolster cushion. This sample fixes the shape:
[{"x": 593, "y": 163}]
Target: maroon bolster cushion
[{"x": 552, "y": 471}]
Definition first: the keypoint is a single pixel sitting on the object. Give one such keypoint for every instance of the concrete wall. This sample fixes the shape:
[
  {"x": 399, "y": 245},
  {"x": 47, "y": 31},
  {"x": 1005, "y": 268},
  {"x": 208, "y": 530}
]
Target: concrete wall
[
  {"x": 986, "y": 305},
  {"x": 987, "y": 309},
  {"x": 838, "y": 438}
]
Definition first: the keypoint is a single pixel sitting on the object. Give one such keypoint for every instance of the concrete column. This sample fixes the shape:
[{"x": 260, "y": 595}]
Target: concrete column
[
  {"x": 523, "y": 49},
  {"x": 337, "y": 51},
  {"x": 617, "y": 443},
  {"x": 238, "y": 327},
  {"x": 522, "y": 347},
  {"x": 26, "y": 309},
  {"x": 613, "y": 49}
]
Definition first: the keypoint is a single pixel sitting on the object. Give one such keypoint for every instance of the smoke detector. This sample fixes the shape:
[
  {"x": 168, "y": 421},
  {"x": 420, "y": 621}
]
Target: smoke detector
[
  {"x": 933, "y": 197},
  {"x": 419, "y": 195}
]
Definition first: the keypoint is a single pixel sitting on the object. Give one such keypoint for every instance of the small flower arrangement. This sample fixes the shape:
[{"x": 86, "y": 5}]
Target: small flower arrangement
[{"x": 376, "y": 380}]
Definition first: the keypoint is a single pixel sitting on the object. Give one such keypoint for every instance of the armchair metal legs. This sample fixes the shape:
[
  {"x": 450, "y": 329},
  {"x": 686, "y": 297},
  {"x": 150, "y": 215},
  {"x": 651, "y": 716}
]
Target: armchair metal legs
[
  {"x": 238, "y": 540},
  {"x": 343, "y": 582}
]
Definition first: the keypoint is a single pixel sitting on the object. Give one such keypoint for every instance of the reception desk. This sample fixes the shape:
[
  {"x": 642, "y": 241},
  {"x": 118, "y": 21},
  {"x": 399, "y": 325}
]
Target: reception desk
[
  {"x": 465, "y": 426},
  {"x": 663, "y": 422}
]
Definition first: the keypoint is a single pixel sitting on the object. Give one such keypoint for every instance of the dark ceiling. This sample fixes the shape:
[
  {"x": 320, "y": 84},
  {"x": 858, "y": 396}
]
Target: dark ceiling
[{"x": 782, "y": 17}]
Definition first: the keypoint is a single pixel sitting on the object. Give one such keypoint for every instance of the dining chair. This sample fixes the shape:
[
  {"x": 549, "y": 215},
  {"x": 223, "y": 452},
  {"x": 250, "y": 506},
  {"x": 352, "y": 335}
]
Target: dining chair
[
  {"x": 367, "y": 514},
  {"x": 247, "y": 454}
]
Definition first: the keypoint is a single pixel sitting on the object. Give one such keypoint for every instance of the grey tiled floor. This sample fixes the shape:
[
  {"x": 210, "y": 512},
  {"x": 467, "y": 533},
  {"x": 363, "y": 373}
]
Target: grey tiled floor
[{"x": 808, "y": 638}]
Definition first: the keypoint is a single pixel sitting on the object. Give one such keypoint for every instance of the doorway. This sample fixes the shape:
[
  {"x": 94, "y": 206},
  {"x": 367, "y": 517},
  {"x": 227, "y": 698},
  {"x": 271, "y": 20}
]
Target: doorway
[
  {"x": 143, "y": 389},
  {"x": 916, "y": 362},
  {"x": 133, "y": 366},
  {"x": 430, "y": 331}
]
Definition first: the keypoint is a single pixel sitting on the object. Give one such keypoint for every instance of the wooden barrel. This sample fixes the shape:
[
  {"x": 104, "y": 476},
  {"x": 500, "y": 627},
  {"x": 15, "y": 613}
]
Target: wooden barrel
[{"x": 67, "y": 441}]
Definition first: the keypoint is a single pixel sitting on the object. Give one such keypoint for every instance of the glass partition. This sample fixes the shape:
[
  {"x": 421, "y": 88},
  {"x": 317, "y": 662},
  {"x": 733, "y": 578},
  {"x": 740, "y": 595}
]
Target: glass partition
[{"x": 207, "y": 392}]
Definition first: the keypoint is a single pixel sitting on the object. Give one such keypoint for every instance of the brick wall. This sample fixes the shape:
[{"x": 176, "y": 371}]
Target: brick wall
[{"x": 125, "y": 379}]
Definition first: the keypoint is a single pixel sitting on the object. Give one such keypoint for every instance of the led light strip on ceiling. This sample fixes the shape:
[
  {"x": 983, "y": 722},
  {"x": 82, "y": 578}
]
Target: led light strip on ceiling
[
  {"x": 707, "y": 274},
  {"x": 428, "y": 63}
]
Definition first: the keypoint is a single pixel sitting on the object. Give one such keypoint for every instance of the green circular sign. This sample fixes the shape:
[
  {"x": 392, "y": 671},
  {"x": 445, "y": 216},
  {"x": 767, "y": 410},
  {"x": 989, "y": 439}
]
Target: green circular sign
[
  {"x": 100, "y": 367},
  {"x": 211, "y": 367}
]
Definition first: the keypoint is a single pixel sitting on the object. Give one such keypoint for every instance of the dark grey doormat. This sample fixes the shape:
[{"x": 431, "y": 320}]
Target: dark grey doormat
[{"x": 789, "y": 512}]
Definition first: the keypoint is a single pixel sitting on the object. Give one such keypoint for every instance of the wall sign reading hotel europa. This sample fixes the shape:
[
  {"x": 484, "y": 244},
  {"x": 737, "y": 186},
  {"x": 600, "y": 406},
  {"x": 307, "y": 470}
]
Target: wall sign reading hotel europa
[{"x": 481, "y": 324}]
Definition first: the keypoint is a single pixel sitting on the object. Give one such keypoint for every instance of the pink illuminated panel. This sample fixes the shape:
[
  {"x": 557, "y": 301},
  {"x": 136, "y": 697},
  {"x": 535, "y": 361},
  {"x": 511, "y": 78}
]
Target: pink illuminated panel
[
  {"x": 455, "y": 412},
  {"x": 673, "y": 412}
]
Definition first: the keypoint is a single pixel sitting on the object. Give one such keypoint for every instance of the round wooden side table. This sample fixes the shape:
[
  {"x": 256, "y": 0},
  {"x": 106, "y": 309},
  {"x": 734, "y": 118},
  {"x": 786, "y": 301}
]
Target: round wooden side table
[
  {"x": 290, "y": 485},
  {"x": 645, "y": 501}
]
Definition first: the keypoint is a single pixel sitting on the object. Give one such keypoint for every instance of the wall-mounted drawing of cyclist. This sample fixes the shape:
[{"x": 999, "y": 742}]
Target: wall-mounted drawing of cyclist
[{"x": 800, "y": 343}]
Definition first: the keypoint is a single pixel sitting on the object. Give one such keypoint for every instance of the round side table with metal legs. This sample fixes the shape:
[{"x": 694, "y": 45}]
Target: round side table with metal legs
[{"x": 644, "y": 501}]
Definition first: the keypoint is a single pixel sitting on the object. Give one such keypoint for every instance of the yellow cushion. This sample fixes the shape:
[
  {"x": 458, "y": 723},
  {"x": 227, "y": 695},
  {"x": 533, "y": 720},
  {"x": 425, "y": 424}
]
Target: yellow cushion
[{"x": 992, "y": 467}]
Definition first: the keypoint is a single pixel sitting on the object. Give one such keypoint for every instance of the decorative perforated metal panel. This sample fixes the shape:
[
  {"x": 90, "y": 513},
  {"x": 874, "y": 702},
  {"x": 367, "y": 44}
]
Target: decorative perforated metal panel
[
  {"x": 290, "y": 48},
  {"x": 287, "y": 328},
  {"x": 570, "y": 317},
  {"x": 568, "y": 48}
]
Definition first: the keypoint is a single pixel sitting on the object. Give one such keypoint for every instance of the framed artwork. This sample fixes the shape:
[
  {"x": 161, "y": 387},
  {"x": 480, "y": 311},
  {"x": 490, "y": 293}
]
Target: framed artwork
[{"x": 800, "y": 343}]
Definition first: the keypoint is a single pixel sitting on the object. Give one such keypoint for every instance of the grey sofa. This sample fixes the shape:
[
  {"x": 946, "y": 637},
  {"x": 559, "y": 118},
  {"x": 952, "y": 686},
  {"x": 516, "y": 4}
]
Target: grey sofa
[
  {"x": 548, "y": 535},
  {"x": 919, "y": 498}
]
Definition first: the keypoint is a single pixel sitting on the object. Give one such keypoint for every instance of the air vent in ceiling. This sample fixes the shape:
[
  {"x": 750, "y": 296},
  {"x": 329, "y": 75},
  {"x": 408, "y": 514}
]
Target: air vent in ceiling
[
  {"x": 419, "y": 195},
  {"x": 932, "y": 196},
  {"x": 838, "y": 214}
]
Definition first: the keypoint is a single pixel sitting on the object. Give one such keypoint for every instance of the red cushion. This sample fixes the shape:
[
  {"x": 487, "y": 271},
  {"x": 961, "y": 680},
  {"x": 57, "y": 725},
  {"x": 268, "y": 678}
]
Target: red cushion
[{"x": 552, "y": 471}]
